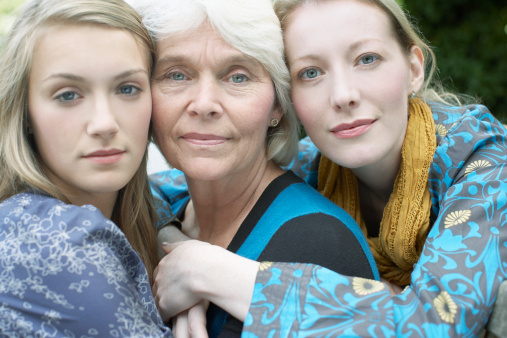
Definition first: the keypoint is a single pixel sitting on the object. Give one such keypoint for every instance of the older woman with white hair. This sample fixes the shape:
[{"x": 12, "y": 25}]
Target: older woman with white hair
[{"x": 222, "y": 117}]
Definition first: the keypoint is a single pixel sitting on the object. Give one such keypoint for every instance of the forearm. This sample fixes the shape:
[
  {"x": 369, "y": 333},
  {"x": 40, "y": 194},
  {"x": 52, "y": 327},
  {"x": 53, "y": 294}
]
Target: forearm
[
  {"x": 193, "y": 271},
  {"x": 230, "y": 285}
]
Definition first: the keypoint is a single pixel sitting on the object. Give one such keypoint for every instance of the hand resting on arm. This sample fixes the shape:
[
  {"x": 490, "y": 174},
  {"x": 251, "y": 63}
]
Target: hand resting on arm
[{"x": 194, "y": 270}]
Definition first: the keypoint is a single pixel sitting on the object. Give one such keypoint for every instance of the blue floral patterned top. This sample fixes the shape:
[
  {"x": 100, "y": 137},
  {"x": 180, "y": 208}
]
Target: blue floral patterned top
[
  {"x": 455, "y": 282},
  {"x": 66, "y": 271}
]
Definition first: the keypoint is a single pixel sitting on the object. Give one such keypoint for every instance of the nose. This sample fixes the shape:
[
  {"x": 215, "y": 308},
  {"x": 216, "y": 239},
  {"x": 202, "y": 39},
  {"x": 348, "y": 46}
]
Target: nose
[
  {"x": 344, "y": 93},
  {"x": 102, "y": 120},
  {"x": 206, "y": 98}
]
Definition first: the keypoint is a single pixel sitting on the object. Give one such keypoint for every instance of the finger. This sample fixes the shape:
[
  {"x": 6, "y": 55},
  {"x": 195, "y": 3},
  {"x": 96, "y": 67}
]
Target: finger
[
  {"x": 197, "y": 321},
  {"x": 154, "y": 287},
  {"x": 180, "y": 325},
  {"x": 168, "y": 247}
]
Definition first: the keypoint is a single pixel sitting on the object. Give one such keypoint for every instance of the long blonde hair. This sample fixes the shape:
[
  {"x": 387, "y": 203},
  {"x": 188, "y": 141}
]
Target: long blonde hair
[
  {"x": 20, "y": 166},
  {"x": 407, "y": 35}
]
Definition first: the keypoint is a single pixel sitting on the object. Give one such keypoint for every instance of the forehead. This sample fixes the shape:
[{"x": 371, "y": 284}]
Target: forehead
[
  {"x": 339, "y": 17},
  {"x": 79, "y": 48},
  {"x": 61, "y": 39},
  {"x": 337, "y": 27},
  {"x": 198, "y": 45}
]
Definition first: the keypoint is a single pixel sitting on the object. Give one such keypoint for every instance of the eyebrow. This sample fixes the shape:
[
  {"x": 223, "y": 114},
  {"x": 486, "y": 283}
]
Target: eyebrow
[
  {"x": 169, "y": 59},
  {"x": 78, "y": 78},
  {"x": 306, "y": 57},
  {"x": 358, "y": 44},
  {"x": 235, "y": 58},
  {"x": 353, "y": 47}
]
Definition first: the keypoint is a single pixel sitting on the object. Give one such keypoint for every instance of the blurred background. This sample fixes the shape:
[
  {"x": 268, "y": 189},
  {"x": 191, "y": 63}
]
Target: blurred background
[{"x": 469, "y": 38}]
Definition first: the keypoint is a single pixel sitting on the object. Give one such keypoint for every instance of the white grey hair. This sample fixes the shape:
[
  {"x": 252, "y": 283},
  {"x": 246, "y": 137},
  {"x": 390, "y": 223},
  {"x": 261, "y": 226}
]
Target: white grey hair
[{"x": 252, "y": 27}]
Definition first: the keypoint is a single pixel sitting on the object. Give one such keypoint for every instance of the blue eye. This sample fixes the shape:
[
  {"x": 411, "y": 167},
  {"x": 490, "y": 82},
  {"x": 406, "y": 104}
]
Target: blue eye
[
  {"x": 368, "y": 59},
  {"x": 177, "y": 76},
  {"x": 129, "y": 90},
  {"x": 238, "y": 78},
  {"x": 67, "y": 97},
  {"x": 310, "y": 73}
]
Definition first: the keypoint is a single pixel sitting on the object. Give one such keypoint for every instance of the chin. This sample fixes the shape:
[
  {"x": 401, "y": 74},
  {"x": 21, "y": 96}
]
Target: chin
[
  {"x": 111, "y": 184},
  {"x": 203, "y": 175},
  {"x": 352, "y": 158}
]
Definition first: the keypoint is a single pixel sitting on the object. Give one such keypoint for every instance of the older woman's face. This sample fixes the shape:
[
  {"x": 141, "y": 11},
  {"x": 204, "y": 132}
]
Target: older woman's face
[{"x": 212, "y": 106}]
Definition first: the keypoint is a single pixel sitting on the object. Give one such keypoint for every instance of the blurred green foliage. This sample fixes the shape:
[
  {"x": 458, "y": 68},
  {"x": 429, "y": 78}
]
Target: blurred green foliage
[
  {"x": 469, "y": 38},
  {"x": 8, "y": 6},
  {"x": 7, "y": 15}
]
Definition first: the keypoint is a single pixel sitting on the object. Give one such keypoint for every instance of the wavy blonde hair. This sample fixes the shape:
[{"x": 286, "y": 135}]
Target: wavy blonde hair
[
  {"x": 407, "y": 35},
  {"x": 20, "y": 166}
]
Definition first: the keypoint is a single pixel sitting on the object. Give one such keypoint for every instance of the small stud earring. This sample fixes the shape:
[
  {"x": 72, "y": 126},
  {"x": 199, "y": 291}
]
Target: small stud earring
[
  {"x": 413, "y": 95},
  {"x": 274, "y": 123}
]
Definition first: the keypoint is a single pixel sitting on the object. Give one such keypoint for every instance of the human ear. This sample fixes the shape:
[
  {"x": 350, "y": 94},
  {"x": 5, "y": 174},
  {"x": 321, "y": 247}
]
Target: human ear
[
  {"x": 416, "y": 60},
  {"x": 277, "y": 112}
]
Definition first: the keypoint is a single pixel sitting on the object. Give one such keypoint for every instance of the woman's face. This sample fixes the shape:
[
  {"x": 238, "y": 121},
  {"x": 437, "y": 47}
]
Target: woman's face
[
  {"x": 90, "y": 107},
  {"x": 351, "y": 81},
  {"x": 212, "y": 106}
]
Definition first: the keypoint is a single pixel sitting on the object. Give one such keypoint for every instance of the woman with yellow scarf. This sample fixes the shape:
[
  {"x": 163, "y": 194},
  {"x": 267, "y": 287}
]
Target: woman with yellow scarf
[{"x": 424, "y": 176}]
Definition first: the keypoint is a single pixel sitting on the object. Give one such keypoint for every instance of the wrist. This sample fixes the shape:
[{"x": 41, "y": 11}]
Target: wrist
[{"x": 233, "y": 285}]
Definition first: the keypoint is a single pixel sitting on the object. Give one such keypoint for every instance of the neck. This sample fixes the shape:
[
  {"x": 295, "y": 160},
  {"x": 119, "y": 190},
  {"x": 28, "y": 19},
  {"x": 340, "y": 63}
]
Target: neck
[
  {"x": 378, "y": 181},
  {"x": 104, "y": 202},
  {"x": 375, "y": 186},
  {"x": 218, "y": 208}
]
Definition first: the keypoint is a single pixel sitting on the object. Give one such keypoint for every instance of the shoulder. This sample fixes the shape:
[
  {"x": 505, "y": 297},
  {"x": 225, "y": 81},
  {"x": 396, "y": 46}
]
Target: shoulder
[
  {"x": 35, "y": 219},
  {"x": 38, "y": 208},
  {"x": 45, "y": 227},
  {"x": 475, "y": 120},
  {"x": 68, "y": 251},
  {"x": 468, "y": 138},
  {"x": 300, "y": 198},
  {"x": 311, "y": 229}
]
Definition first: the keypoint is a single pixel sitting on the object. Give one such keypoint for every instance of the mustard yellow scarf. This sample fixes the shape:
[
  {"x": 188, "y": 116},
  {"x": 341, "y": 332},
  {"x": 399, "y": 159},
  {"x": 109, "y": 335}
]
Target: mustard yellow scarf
[{"x": 406, "y": 218}]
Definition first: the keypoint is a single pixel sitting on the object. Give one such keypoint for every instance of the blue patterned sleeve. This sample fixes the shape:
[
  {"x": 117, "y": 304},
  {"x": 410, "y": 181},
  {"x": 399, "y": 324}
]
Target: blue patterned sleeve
[
  {"x": 454, "y": 284},
  {"x": 66, "y": 271},
  {"x": 170, "y": 192},
  {"x": 306, "y": 163}
]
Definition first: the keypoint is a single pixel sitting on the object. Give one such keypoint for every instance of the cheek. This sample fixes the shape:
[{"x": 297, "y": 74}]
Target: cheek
[
  {"x": 393, "y": 91},
  {"x": 53, "y": 133},
  {"x": 307, "y": 105},
  {"x": 256, "y": 119},
  {"x": 138, "y": 117},
  {"x": 55, "y": 141},
  {"x": 164, "y": 114}
]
